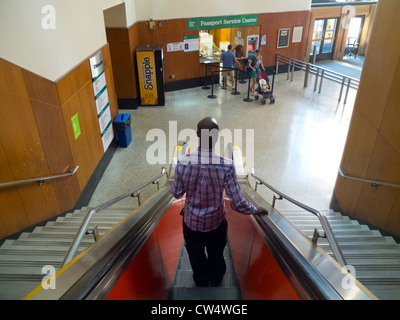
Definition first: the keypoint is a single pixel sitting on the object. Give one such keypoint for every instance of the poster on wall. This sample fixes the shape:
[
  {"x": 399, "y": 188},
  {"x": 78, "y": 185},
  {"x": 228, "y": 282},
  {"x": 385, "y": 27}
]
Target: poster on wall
[
  {"x": 101, "y": 98},
  {"x": 175, "y": 46},
  {"x": 283, "y": 38},
  {"x": 263, "y": 40},
  {"x": 297, "y": 34},
  {"x": 191, "y": 43}
]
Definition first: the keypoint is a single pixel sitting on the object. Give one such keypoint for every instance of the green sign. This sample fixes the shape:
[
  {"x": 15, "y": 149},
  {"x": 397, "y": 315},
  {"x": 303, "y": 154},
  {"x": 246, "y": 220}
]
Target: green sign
[
  {"x": 222, "y": 22},
  {"x": 75, "y": 126}
]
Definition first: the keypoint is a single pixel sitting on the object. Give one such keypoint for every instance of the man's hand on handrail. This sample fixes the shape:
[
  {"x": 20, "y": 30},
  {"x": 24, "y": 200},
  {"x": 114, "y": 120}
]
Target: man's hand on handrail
[{"x": 261, "y": 211}]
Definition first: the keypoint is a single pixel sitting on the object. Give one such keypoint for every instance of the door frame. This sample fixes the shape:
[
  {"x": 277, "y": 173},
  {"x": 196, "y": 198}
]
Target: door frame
[{"x": 324, "y": 56}]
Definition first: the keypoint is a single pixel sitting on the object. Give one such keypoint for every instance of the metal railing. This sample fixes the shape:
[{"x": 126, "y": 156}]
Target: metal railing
[
  {"x": 320, "y": 74},
  {"x": 321, "y": 217},
  {"x": 41, "y": 180},
  {"x": 373, "y": 183},
  {"x": 85, "y": 223}
]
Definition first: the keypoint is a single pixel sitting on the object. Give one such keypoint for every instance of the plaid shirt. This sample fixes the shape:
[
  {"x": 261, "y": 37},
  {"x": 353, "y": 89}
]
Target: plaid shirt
[{"x": 204, "y": 176}]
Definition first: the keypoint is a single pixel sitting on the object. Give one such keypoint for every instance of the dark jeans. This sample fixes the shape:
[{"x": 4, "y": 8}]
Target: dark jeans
[{"x": 211, "y": 266}]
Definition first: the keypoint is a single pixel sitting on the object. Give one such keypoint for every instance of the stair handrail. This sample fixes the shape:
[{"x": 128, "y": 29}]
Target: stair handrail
[
  {"x": 85, "y": 223},
  {"x": 321, "y": 217},
  {"x": 39, "y": 180},
  {"x": 374, "y": 183}
]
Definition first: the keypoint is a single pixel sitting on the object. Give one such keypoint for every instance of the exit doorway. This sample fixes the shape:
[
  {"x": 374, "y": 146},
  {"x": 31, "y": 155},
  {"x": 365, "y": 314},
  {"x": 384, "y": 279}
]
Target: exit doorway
[{"x": 323, "y": 39}]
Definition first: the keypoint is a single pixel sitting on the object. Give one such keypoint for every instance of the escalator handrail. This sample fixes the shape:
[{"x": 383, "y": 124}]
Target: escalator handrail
[
  {"x": 321, "y": 217},
  {"x": 85, "y": 223}
]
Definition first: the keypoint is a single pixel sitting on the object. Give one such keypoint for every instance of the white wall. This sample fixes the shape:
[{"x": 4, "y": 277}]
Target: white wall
[
  {"x": 79, "y": 32},
  {"x": 163, "y": 10},
  {"x": 80, "y": 26}
]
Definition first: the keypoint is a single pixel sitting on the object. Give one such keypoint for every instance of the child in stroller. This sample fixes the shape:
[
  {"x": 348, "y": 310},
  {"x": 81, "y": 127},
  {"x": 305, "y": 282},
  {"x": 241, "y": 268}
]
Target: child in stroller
[{"x": 264, "y": 89}]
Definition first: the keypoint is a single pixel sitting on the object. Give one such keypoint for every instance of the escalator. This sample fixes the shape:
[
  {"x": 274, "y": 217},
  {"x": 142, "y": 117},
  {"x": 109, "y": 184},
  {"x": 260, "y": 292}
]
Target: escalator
[{"x": 143, "y": 257}]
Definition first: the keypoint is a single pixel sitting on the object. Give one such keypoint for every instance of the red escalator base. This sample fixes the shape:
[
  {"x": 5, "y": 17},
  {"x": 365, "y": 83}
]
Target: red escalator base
[{"x": 150, "y": 274}]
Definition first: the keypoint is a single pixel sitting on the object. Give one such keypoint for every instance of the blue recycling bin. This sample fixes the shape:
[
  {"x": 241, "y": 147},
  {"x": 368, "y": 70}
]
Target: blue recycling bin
[{"x": 122, "y": 124}]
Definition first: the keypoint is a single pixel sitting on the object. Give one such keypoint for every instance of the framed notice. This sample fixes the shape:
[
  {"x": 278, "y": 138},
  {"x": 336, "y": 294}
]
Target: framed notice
[
  {"x": 297, "y": 34},
  {"x": 101, "y": 99},
  {"x": 283, "y": 38}
]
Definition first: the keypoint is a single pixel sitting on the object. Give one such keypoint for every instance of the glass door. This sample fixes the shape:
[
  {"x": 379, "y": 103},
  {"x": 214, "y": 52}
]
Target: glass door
[
  {"x": 354, "y": 36},
  {"x": 323, "y": 39}
]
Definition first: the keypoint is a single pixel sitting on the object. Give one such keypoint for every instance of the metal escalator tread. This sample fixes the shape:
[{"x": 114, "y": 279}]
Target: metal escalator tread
[{"x": 184, "y": 288}]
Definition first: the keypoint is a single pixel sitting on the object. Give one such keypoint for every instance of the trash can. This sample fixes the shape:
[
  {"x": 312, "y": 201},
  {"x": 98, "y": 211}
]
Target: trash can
[{"x": 122, "y": 125}]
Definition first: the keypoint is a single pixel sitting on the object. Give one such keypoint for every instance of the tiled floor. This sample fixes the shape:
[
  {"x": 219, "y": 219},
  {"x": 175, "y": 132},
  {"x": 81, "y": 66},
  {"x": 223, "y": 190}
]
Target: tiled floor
[{"x": 298, "y": 141}]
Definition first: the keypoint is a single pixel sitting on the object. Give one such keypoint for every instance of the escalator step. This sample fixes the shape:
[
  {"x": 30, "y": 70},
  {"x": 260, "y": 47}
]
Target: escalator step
[{"x": 184, "y": 288}]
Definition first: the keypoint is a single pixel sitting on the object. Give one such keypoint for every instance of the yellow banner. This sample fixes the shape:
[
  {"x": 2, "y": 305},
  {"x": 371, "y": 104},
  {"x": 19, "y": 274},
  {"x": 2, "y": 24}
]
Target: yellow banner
[{"x": 147, "y": 77}]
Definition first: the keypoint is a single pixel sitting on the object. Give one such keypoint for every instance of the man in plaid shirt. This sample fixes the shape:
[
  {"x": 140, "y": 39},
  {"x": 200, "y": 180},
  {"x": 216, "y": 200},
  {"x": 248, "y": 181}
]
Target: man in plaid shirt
[{"x": 203, "y": 176}]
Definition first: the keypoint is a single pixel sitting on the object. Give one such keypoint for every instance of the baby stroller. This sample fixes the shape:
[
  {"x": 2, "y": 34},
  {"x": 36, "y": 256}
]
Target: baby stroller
[{"x": 264, "y": 89}]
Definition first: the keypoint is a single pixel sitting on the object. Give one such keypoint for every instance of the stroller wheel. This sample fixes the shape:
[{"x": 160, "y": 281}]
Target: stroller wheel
[
  {"x": 263, "y": 101},
  {"x": 272, "y": 100},
  {"x": 256, "y": 97}
]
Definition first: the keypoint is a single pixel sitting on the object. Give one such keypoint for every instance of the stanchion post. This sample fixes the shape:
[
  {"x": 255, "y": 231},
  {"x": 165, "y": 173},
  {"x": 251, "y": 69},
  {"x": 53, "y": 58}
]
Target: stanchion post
[
  {"x": 236, "y": 82},
  {"x": 205, "y": 87},
  {"x": 306, "y": 75},
  {"x": 248, "y": 99},
  {"x": 320, "y": 81},
  {"x": 212, "y": 95},
  {"x": 244, "y": 61},
  {"x": 316, "y": 79},
  {"x": 277, "y": 64},
  {"x": 347, "y": 91},
  {"x": 341, "y": 89}
]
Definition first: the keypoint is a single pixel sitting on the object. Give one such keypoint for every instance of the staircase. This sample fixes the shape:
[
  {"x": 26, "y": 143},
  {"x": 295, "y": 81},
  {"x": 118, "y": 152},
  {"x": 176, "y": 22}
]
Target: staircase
[
  {"x": 184, "y": 288},
  {"x": 376, "y": 258},
  {"x": 22, "y": 260}
]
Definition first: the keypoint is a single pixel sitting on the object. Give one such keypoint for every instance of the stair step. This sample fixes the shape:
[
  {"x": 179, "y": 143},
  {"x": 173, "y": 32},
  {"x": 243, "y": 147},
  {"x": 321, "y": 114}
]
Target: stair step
[
  {"x": 77, "y": 224},
  {"x": 68, "y": 229},
  {"x": 21, "y": 270},
  {"x": 16, "y": 288},
  {"x": 32, "y": 260},
  {"x": 359, "y": 240},
  {"x": 51, "y": 236},
  {"x": 61, "y": 247},
  {"x": 94, "y": 220},
  {"x": 372, "y": 247}
]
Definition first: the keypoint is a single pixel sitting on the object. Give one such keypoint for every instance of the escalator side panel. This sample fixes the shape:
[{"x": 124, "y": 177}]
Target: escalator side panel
[
  {"x": 150, "y": 273},
  {"x": 241, "y": 236},
  {"x": 170, "y": 238},
  {"x": 259, "y": 274},
  {"x": 265, "y": 279},
  {"x": 144, "y": 277}
]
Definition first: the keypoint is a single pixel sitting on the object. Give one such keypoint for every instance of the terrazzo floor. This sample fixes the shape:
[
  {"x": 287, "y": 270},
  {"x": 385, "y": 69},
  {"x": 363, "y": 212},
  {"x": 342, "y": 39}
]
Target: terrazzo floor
[{"x": 297, "y": 146}]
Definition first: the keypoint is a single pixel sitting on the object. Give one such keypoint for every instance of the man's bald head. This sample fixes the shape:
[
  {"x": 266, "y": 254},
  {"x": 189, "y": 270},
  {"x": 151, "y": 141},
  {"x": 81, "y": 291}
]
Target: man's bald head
[{"x": 207, "y": 131}]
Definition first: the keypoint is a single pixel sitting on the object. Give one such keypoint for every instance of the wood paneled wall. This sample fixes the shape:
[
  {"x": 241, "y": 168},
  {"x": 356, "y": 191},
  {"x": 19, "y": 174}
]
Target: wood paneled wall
[
  {"x": 270, "y": 25},
  {"x": 36, "y": 140},
  {"x": 372, "y": 149}
]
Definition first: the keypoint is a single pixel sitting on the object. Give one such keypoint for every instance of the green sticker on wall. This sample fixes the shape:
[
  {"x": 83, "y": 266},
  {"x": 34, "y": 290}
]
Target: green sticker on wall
[{"x": 75, "y": 126}]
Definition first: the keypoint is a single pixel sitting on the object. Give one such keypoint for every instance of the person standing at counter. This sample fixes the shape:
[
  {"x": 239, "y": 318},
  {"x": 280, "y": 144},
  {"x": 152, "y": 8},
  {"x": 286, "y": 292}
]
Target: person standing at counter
[{"x": 228, "y": 58}]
